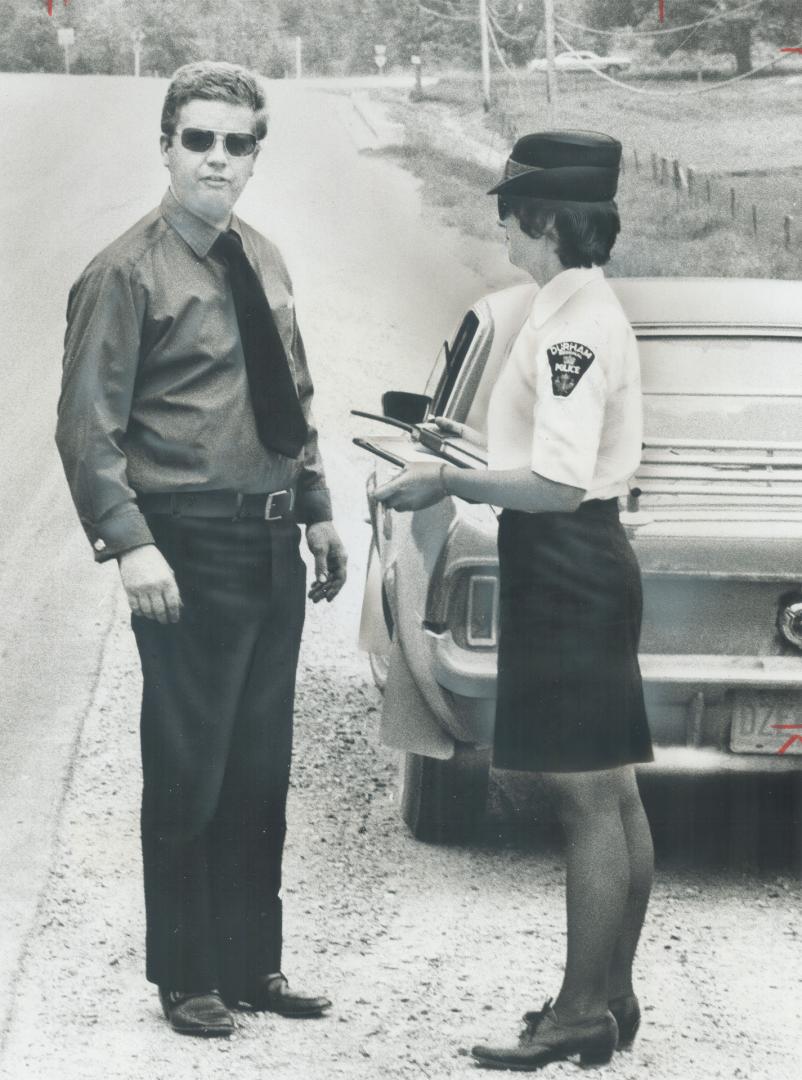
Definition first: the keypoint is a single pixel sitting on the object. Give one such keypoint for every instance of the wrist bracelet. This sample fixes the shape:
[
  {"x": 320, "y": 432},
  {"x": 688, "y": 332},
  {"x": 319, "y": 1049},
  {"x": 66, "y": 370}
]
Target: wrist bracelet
[{"x": 442, "y": 480}]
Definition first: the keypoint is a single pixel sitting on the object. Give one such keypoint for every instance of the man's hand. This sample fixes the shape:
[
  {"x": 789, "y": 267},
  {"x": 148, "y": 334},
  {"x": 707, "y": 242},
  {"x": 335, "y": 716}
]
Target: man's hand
[
  {"x": 330, "y": 561},
  {"x": 418, "y": 486},
  {"x": 149, "y": 584}
]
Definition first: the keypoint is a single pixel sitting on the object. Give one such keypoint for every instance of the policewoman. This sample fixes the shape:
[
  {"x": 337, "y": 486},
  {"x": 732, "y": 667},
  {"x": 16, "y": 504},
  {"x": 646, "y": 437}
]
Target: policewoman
[{"x": 564, "y": 430}]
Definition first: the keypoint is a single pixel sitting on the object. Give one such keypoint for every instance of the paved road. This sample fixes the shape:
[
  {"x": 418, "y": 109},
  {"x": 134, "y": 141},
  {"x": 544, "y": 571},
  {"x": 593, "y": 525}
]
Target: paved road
[{"x": 81, "y": 165}]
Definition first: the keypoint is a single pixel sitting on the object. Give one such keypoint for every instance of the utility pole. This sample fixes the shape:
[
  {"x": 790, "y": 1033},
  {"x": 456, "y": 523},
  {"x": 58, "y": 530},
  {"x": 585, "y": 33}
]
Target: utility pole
[
  {"x": 66, "y": 38},
  {"x": 298, "y": 58},
  {"x": 485, "y": 55},
  {"x": 137, "y": 39},
  {"x": 551, "y": 73}
]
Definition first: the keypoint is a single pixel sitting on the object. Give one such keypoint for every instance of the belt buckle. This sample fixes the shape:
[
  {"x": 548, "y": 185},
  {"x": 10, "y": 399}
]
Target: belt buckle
[{"x": 269, "y": 516}]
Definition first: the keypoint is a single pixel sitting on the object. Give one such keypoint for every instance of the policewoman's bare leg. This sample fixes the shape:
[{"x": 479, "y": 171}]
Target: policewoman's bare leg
[
  {"x": 589, "y": 808},
  {"x": 641, "y": 874}
]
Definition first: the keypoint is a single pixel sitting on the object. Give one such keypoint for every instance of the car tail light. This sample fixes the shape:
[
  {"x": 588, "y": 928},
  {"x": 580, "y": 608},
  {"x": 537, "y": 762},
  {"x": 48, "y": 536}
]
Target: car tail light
[
  {"x": 482, "y": 610},
  {"x": 789, "y": 619}
]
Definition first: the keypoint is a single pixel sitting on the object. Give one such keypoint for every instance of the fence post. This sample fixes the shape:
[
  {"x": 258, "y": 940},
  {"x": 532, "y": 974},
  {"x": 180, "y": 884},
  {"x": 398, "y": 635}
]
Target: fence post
[
  {"x": 787, "y": 229},
  {"x": 754, "y": 219},
  {"x": 709, "y": 189},
  {"x": 732, "y": 201},
  {"x": 663, "y": 170},
  {"x": 654, "y": 166},
  {"x": 635, "y": 159}
]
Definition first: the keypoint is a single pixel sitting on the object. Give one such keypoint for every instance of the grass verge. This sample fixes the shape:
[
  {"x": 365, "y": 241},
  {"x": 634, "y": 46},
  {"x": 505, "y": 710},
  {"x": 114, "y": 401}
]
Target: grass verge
[{"x": 664, "y": 231}]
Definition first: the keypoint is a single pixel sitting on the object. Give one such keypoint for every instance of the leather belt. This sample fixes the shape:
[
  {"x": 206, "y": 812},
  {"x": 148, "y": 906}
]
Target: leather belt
[{"x": 267, "y": 506}]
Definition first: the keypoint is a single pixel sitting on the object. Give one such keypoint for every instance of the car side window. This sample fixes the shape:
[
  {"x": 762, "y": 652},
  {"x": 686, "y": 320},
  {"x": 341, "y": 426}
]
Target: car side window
[{"x": 449, "y": 364}]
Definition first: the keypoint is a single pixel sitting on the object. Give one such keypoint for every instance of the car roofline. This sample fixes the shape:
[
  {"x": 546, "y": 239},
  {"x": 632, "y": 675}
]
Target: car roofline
[{"x": 723, "y": 313}]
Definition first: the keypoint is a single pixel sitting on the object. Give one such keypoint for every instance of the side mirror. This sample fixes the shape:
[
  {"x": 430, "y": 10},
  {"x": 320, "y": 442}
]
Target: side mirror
[{"x": 409, "y": 408}]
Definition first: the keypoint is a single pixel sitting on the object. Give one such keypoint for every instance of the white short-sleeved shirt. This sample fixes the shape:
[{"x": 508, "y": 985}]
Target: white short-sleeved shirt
[{"x": 567, "y": 402}]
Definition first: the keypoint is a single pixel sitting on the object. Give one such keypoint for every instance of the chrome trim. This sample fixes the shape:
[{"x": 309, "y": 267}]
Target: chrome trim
[
  {"x": 471, "y": 638},
  {"x": 474, "y": 674},
  {"x": 790, "y": 623},
  {"x": 722, "y": 672}
]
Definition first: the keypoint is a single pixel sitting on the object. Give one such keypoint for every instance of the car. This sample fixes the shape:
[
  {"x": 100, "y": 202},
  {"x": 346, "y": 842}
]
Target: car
[
  {"x": 582, "y": 60},
  {"x": 714, "y": 514}
]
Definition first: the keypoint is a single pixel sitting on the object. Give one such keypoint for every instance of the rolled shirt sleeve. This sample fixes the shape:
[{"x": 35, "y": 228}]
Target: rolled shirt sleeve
[
  {"x": 101, "y": 351},
  {"x": 566, "y": 402},
  {"x": 569, "y": 411}
]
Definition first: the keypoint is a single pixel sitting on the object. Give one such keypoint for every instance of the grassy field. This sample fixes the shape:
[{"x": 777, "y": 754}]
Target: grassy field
[{"x": 742, "y": 138}]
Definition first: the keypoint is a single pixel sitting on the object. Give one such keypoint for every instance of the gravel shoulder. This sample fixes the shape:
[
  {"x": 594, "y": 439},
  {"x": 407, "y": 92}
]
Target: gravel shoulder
[{"x": 424, "y": 949}]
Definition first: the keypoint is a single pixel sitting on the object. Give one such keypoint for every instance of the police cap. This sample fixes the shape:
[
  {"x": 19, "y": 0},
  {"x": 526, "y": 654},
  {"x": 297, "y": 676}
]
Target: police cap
[{"x": 573, "y": 166}]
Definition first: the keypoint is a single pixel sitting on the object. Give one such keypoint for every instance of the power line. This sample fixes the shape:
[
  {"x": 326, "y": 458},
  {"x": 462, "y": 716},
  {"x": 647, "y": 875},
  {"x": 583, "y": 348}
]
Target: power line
[
  {"x": 495, "y": 16},
  {"x": 721, "y": 16},
  {"x": 492, "y": 26},
  {"x": 446, "y": 15},
  {"x": 503, "y": 62}
]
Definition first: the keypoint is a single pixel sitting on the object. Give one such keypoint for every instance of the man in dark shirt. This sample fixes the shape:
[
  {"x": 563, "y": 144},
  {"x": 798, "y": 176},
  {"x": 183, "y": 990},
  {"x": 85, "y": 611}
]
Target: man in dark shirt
[{"x": 175, "y": 472}]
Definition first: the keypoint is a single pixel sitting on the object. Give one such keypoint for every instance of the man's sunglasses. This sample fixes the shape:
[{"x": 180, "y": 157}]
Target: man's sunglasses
[{"x": 237, "y": 144}]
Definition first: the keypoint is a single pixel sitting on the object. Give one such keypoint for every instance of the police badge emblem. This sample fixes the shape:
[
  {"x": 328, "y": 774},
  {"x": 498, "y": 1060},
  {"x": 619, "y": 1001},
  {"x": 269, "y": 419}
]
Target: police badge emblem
[{"x": 568, "y": 361}]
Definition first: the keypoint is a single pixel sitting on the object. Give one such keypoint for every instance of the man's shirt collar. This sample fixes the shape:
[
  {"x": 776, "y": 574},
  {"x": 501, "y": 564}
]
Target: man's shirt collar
[
  {"x": 560, "y": 289},
  {"x": 199, "y": 234}
]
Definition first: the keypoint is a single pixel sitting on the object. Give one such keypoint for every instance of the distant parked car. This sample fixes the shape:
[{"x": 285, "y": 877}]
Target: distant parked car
[
  {"x": 583, "y": 60},
  {"x": 714, "y": 515}
]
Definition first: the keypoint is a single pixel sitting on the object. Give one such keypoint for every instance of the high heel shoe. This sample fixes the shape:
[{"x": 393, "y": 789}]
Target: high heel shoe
[
  {"x": 626, "y": 1011},
  {"x": 546, "y": 1039}
]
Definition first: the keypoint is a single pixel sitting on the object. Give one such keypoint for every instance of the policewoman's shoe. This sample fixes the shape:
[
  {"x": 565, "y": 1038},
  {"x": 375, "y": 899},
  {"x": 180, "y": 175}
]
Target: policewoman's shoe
[
  {"x": 546, "y": 1039},
  {"x": 271, "y": 993},
  {"x": 626, "y": 1011},
  {"x": 201, "y": 1013}
]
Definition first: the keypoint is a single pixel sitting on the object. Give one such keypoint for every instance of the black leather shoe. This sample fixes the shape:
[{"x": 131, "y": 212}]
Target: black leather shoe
[
  {"x": 273, "y": 994},
  {"x": 626, "y": 1011},
  {"x": 546, "y": 1039},
  {"x": 197, "y": 1014}
]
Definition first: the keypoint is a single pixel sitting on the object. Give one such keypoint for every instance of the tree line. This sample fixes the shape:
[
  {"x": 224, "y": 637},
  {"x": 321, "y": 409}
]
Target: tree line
[{"x": 338, "y": 36}]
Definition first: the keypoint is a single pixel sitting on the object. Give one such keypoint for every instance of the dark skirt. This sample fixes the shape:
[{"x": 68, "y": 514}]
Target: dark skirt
[{"x": 570, "y": 697}]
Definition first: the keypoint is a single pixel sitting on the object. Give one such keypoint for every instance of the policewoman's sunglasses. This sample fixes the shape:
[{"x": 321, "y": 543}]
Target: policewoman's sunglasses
[{"x": 237, "y": 144}]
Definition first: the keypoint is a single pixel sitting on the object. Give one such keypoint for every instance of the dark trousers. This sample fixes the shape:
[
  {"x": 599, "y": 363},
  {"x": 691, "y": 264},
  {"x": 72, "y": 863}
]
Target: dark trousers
[{"x": 216, "y": 730}]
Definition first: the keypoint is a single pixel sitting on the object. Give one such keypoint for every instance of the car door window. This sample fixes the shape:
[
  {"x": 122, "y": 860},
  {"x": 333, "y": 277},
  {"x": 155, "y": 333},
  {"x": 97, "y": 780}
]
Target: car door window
[{"x": 449, "y": 365}]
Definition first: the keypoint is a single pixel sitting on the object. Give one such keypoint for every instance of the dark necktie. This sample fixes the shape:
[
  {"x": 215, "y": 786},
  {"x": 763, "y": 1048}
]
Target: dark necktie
[{"x": 276, "y": 408}]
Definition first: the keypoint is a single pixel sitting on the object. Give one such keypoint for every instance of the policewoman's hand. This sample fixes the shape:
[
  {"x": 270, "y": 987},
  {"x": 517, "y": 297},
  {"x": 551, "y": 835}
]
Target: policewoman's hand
[
  {"x": 150, "y": 584},
  {"x": 330, "y": 561},
  {"x": 418, "y": 486}
]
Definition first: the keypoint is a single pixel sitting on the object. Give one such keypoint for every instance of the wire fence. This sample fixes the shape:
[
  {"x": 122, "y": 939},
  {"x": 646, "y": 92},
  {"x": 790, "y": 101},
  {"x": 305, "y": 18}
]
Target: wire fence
[
  {"x": 694, "y": 188},
  {"x": 767, "y": 219}
]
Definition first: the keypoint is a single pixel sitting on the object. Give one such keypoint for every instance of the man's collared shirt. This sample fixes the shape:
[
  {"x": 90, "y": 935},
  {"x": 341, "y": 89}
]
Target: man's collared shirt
[
  {"x": 155, "y": 394},
  {"x": 567, "y": 403}
]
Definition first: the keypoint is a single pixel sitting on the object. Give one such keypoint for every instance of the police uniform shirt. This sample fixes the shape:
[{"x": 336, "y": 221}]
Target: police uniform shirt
[{"x": 567, "y": 402}]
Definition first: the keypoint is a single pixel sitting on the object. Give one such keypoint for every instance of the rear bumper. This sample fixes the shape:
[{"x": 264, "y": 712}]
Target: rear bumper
[
  {"x": 712, "y": 761},
  {"x": 472, "y": 673},
  {"x": 691, "y": 673},
  {"x": 689, "y": 702}
]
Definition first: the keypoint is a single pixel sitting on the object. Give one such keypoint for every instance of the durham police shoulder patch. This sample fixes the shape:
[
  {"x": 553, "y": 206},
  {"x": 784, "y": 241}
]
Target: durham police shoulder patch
[{"x": 568, "y": 361}]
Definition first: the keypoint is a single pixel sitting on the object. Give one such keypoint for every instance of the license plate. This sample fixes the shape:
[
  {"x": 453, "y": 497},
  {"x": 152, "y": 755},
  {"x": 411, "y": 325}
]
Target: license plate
[{"x": 767, "y": 722}]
